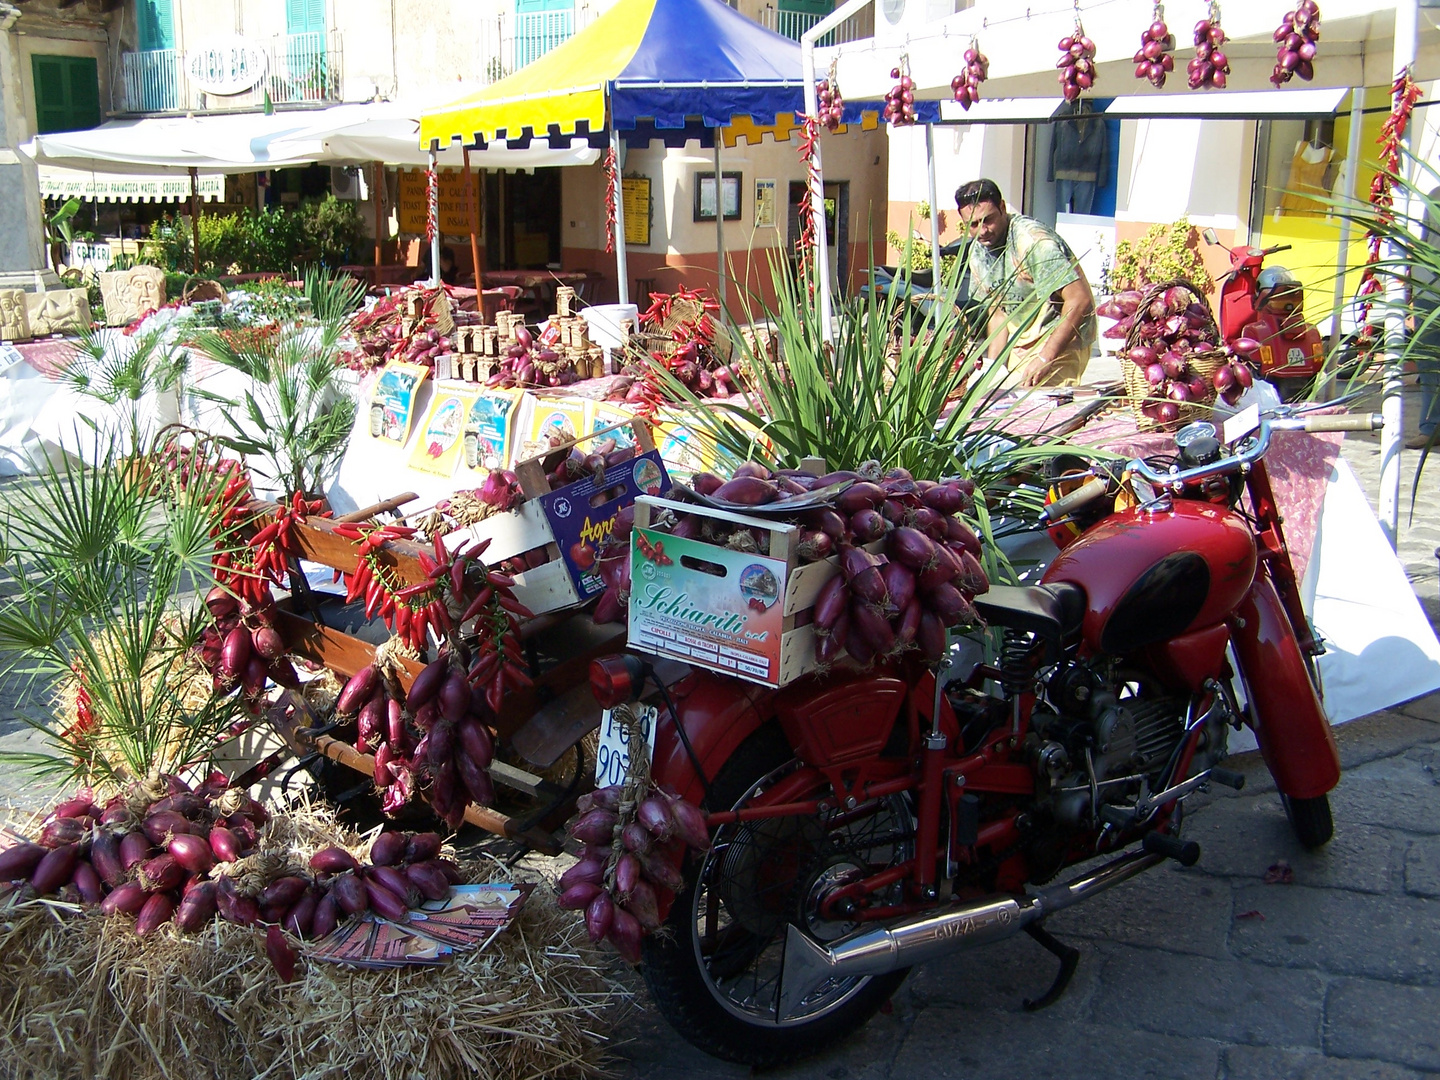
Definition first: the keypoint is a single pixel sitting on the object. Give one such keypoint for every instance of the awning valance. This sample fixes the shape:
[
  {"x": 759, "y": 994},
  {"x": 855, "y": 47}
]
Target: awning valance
[
  {"x": 57, "y": 183},
  {"x": 1292, "y": 104}
]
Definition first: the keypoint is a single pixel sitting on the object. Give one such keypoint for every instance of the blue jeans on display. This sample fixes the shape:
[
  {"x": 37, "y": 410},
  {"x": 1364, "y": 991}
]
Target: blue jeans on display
[{"x": 1074, "y": 196}]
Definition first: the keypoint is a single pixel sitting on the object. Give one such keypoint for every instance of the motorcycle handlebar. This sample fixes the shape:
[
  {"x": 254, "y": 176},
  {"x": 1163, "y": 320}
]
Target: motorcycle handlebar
[
  {"x": 1086, "y": 493},
  {"x": 1277, "y": 248},
  {"x": 1350, "y": 422}
]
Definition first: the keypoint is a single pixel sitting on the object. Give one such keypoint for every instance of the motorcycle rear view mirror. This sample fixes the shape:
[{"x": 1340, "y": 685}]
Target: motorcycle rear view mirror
[{"x": 1210, "y": 237}]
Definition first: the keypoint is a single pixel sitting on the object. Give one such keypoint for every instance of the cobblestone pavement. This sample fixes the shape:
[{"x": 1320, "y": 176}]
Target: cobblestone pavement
[{"x": 1209, "y": 972}]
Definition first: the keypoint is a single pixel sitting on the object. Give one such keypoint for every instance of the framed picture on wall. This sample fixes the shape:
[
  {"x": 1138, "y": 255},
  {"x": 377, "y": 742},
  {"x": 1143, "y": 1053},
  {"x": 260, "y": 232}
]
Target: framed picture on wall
[
  {"x": 705, "y": 195},
  {"x": 765, "y": 204}
]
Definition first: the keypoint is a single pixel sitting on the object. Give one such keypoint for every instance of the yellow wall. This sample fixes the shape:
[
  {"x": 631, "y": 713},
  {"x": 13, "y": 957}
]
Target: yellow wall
[{"x": 1314, "y": 237}]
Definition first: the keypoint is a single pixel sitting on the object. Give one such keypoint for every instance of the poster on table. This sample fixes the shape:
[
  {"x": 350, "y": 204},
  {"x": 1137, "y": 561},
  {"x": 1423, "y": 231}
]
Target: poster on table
[
  {"x": 438, "y": 448},
  {"x": 707, "y": 605},
  {"x": 606, "y": 415},
  {"x": 582, "y": 514},
  {"x": 392, "y": 402},
  {"x": 686, "y": 451},
  {"x": 489, "y": 430},
  {"x": 547, "y": 422}
]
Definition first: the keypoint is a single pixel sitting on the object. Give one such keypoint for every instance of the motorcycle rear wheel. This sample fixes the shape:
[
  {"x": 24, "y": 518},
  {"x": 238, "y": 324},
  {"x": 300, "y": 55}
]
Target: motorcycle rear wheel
[
  {"x": 714, "y": 969},
  {"x": 1310, "y": 820}
]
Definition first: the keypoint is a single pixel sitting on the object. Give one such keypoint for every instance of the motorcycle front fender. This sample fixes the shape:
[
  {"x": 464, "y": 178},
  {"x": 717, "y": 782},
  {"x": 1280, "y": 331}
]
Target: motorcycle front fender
[
  {"x": 1285, "y": 712},
  {"x": 717, "y": 715}
]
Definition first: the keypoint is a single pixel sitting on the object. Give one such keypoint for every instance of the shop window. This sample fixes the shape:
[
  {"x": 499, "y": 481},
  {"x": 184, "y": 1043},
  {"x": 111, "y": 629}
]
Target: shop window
[{"x": 67, "y": 93}]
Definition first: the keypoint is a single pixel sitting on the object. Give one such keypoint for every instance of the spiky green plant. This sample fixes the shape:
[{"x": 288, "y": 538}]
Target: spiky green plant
[
  {"x": 125, "y": 373},
  {"x": 99, "y": 559}
]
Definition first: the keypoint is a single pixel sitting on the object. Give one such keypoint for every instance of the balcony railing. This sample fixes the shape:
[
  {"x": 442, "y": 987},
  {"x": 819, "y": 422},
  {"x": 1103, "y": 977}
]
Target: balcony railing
[
  {"x": 516, "y": 38},
  {"x": 793, "y": 24},
  {"x": 298, "y": 68}
]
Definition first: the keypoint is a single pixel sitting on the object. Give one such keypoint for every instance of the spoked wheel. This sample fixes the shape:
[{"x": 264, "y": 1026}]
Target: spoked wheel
[{"x": 716, "y": 973}]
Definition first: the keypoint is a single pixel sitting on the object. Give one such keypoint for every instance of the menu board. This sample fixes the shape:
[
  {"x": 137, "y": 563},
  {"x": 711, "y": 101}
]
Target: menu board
[
  {"x": 411, "y": 200},
  {"x": 635, "y": 191}
]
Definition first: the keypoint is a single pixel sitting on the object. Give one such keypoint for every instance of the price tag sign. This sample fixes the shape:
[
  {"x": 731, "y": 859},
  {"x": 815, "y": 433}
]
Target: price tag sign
[
  {"x": 612, "y": 759},
  {"x": 1242, "y": 424}
]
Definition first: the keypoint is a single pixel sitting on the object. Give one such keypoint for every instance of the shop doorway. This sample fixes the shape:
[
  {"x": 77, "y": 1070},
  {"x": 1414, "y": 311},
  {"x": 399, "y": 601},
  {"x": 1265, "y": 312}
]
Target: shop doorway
[
  {"x": 837, "y": 227},
  {"x": 522, "y": 220}
]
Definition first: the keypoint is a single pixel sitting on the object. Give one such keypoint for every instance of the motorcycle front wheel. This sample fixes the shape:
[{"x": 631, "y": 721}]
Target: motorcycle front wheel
[
  {"x": 1310, "y": 820},
  {"x": 714, "y": 971}
]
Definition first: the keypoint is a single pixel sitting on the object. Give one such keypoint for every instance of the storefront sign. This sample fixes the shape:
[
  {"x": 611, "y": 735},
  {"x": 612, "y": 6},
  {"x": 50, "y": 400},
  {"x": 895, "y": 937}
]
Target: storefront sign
[
  {"x": 58, "y": 183},
  {"x": 454, "y": 221},
  {"x": 225, "y": 65}
]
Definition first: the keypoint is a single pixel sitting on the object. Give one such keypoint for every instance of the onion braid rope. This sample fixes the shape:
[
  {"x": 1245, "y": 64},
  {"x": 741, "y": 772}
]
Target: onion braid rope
[
  {"x": 612, "y": 181},
  {"x": 499, "y": 664},
  {"x": 275, "y": 544},
  {"x": 1404, "y": 93}
]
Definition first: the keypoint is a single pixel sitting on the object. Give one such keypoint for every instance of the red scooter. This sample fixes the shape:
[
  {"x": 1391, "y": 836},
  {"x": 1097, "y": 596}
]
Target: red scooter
[
  {"x": 870, "y": 819},
  {"x": 1267, "y": 305}
]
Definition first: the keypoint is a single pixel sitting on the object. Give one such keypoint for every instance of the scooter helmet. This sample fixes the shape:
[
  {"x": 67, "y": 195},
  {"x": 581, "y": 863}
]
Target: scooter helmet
[
  {"x": 1274, "y": 279},
  {"x": 1064, "y": 474}
]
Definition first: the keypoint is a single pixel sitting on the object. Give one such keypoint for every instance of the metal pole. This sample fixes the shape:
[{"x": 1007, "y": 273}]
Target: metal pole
[
  {"x": 817, "y": 186},
  {"x": 934, "y": 207},
  {"x": 719, "y": 222},
  {"x": 195, "y": 219},
  {"x": 472, "y": 214},
  {"x": 434, "y": 210},
  {"x": 377, "y": 174},
  {"x": 1392, "y": 438},
  {"x": 1352, "y": 160},
  {"x": 621, "y": 271}
]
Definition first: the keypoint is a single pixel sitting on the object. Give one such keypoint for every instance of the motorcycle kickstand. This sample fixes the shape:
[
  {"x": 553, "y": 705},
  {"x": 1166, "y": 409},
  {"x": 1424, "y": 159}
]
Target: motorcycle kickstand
[{"x": 1069, "y": 961}]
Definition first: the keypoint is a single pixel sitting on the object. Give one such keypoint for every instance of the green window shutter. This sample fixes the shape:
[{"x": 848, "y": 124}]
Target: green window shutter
[
  {"x": 157, "y": 24},
  {"x": 526, "y": 6},
  {"x": 67, "y": 93},
  {"x": 304, "y": 16}
]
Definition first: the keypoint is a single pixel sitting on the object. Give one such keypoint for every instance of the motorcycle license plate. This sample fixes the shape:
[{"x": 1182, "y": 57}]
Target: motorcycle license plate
[{"x": 612, "y": 758}]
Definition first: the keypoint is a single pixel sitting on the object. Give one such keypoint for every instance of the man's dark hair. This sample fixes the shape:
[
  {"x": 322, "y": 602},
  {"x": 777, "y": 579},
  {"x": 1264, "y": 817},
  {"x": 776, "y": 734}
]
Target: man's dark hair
[{"x": 977, "y": 191}]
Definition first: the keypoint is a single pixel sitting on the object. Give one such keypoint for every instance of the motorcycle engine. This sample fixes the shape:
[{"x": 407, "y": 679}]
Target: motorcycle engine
[{"x": 1100, "y": 737}]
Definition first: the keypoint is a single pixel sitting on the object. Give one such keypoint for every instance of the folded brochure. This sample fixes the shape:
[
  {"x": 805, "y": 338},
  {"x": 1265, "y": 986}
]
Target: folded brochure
[{"x": 468, "y": 919}]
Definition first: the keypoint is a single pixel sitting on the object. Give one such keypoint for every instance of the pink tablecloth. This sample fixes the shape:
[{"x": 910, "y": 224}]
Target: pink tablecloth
[
  {"x": 1300, "y": 464},
  {"x": 48, "y": 355}
]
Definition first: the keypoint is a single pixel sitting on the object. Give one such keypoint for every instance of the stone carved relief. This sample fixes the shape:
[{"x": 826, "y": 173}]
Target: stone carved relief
[
  {"x": 57, "y": 311},
  {"x": 129, "y": 294},
  {"x": 14, "y": 320}
]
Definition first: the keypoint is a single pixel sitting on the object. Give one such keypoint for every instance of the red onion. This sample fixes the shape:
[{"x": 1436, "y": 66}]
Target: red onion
[
  {"x": 899, "y": 584},
  {"x": 577, "y": 897},
  {"x": 690, "y": 824},
  {"x": 654, "y": 813},
  {"x": 643, "y": 904},
  {"x": 867, "y": 526},
  {"x": 599, "y": 917},
  {"x": 943, "y": 499},
  {"x": 911, "y": 547},
  {"x": 595, "y": 827},
  {"x": 591, "y": 870},
  {"x": 128, "y": 898},
  {"x": 829, "y": 605},
  {"x": 869, "y": 623},
  {"x": 861, "y": 496},
  {"x": 625, "y": 934}
]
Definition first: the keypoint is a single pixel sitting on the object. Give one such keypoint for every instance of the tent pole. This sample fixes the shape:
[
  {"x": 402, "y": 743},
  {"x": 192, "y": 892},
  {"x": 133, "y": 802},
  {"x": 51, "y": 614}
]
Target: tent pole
[
  {"x": 719, "y": 223},
  {"x": 195, "y": 219},
  {"x": 934, "y": 206},
  {"x": 621, "y": 271},
  {"x": 817, "y": 181},
  {"x": 474, "y": 229},
  {"x": 1392, "y": 438},
  {"x": 377, "y": 174},
  {"x": 434, "y": 211}
]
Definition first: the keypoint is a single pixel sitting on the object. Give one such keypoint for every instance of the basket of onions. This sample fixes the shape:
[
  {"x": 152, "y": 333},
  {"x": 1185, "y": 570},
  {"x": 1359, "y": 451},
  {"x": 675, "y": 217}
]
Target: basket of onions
[{"x": 1172, "y": 351}]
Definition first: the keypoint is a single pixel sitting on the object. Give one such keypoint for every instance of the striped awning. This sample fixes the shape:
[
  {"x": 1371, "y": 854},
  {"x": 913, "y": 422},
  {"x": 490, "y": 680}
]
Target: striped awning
[{"x": 57, "y": 183}]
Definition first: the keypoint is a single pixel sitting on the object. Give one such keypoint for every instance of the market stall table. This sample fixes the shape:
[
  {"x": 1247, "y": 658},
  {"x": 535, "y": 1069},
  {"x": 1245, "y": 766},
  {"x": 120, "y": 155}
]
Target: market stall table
[{"x": 537, "y": 287}]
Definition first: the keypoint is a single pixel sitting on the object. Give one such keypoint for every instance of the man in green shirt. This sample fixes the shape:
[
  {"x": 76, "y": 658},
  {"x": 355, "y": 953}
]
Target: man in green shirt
[{"x": 1044, "y": 302}]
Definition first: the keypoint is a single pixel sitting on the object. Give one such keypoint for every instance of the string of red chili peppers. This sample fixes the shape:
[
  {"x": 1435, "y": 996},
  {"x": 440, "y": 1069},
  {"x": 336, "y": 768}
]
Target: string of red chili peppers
[
  {"x": 275, "y": 544},
  {"x": 612, "y": 181},
  {"x": 235, "y": 570},
  {"x": 1404, "y": 94},
  {"x": 809, "y": 138},
  {"x": 408, "y": 610},
  {"x": 432, "y": 205}
]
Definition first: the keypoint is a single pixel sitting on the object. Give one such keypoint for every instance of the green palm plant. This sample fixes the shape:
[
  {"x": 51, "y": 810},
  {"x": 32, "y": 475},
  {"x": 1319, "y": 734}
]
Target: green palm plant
[
  {"x": 99, "y": 561},
  {"x": 124, "y": 372}
]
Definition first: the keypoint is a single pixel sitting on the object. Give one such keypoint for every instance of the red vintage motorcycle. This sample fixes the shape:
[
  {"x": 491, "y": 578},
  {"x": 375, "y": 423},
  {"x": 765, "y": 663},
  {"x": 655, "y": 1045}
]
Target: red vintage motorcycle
[
  {"x": 1267, "y": 305},
  {"x": 870, "y": 820}
]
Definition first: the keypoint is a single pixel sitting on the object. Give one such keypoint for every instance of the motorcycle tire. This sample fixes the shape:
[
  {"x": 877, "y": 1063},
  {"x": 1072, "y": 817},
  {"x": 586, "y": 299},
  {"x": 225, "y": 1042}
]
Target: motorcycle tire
[
  {"x": 1310, "y": 819},
  {"x": 680, "y": 978}
]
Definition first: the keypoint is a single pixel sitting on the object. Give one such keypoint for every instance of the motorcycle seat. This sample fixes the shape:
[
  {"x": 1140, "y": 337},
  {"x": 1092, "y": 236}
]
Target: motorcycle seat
[{"x": 1052, "y": 612}]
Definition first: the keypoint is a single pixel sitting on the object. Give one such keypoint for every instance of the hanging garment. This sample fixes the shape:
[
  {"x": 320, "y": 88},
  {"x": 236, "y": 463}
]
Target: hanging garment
[{"x": 1307, "y": 180}]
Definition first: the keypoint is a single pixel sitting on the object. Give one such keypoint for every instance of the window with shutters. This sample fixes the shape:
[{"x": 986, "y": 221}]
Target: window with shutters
[
  {"x": 67, "y": 93},
  {"x": 156, "y": 20},
  {"x": 305, "y": 16},
  {"x": 540, "y": 25}
]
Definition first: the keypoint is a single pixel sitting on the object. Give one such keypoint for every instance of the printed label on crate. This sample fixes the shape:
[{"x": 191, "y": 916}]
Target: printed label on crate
[
  {"x": 438, "y": 449},
  {"x": 581, "y": 525},
  {"x": 553, "y": 421},
  {"x": 489, "y": 429},
  {"x": 612, "y": 755},
  {"x": 711, "y": 606},
  {"x": 392, "y": 403}
]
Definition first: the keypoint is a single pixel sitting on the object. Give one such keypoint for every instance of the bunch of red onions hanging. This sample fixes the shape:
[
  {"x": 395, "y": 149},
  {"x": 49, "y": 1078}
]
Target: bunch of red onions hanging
[
  {"x": 966, "y": 85},
  {"x": 900, "y": 98},
  {"x": 1236, "y": 375},
  {"x": 1295, "y": 43},
  {"x": 1153, "y": 60},
  {"x": 243, "y": 649},
  {"x": 1210, "y": 67},
  {"x": 832, "y": 105},
  {"x": 1076, "y": 63}
]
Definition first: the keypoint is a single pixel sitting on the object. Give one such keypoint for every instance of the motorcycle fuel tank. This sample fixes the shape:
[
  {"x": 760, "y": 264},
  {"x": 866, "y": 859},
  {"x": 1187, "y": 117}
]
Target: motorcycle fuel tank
[{"x": 1152, "y": 576}]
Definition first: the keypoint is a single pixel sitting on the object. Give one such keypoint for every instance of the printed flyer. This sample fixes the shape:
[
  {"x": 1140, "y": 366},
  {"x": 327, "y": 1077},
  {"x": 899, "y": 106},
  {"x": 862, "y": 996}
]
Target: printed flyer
[
  {"x": 706, "y": 604},
  {"x": 392, "y": 403},
  {"x": 439, "y": 446},
  {"x": 489, "y": 429},
  {"x": 551, "y": 422}
]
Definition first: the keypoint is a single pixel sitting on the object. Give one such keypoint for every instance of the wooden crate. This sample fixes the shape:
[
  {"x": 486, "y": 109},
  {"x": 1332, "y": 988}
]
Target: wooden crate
[{"x": 798, "y": 587}]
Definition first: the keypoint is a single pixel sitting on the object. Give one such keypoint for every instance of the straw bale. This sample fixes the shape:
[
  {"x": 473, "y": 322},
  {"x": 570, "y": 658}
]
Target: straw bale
[{"x": 81, "y": 996}]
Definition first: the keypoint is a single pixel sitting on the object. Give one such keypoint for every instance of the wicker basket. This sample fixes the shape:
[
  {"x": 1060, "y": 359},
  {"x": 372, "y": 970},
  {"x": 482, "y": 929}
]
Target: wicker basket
[
  {"x": 1203, "y": 362},
  {"x": 203, "y": 289}
]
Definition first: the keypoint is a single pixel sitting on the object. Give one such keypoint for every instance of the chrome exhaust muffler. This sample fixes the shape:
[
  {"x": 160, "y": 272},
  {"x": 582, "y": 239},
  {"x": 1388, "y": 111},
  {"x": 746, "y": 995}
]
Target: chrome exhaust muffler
[{"x": 808, "y": 965}]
